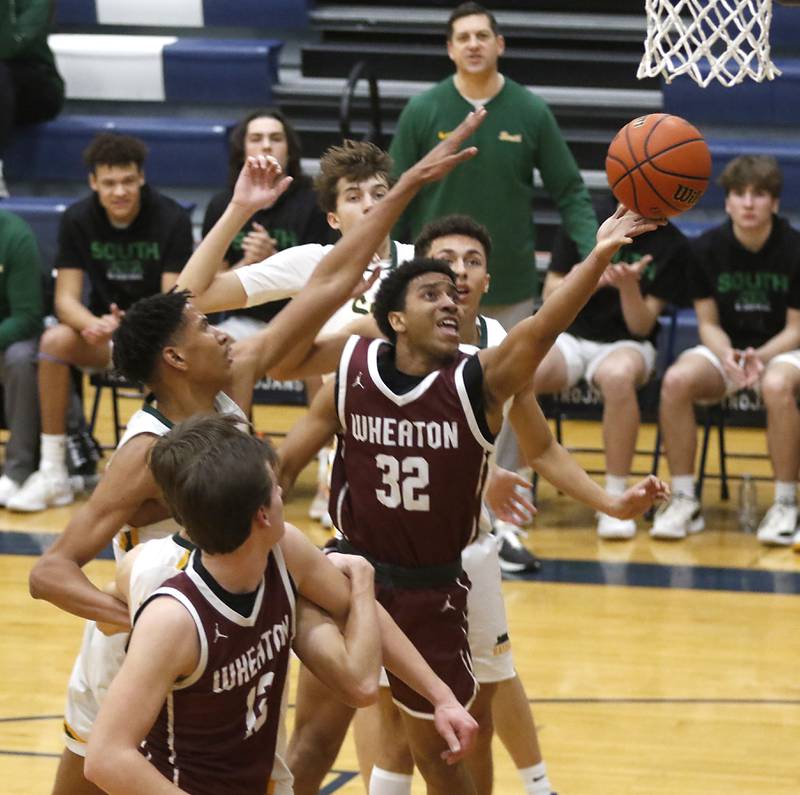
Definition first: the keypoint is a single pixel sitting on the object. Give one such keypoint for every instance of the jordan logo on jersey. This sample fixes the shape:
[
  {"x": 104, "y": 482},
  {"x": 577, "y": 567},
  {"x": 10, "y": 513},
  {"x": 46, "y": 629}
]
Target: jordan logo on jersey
[
  {"x": 217, "y": 633},
  {"x": 357, "y": 381}
]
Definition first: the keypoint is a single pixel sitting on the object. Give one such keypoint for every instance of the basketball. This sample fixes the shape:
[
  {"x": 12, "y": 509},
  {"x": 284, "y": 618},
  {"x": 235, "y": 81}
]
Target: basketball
[{"x": 658, "y": 165}]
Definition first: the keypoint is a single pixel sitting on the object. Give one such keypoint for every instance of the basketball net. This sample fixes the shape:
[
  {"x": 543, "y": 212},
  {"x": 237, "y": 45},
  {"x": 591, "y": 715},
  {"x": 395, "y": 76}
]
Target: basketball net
[{"x": 724, "y": 40}]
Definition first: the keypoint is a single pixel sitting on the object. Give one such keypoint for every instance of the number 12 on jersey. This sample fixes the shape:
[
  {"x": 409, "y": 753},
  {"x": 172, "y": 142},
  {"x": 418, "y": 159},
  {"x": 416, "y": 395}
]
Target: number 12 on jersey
[{"x": 404, "y": 480}]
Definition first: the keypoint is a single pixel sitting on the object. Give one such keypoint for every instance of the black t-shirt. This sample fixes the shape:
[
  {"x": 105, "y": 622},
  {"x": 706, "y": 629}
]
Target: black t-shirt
[
  {"x": 752, "y": 290},
  {"x": 294, "y": 220},
  {"x": 124, "y": 265},
  {"x": 665, "y": 277}
]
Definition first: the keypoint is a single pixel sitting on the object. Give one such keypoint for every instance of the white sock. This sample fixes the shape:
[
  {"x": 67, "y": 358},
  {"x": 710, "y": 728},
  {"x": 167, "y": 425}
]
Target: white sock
[
  {"x": 322, "y": 465},
  {"x": 53, "y": 454},
  {"x": 384, "y": 782},
  {"x": 534, "y": 780},
  {"x": 785, "y": 492},
  {"x": 683, "y": 484},
  {"x": 616, "y": 484}
]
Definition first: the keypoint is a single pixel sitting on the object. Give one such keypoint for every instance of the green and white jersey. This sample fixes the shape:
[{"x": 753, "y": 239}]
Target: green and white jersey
[{"x": 284, "y": 274}]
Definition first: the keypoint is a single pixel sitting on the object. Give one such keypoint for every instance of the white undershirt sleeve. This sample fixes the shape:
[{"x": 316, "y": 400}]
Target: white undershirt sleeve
[{"x": 282, "y": 275}]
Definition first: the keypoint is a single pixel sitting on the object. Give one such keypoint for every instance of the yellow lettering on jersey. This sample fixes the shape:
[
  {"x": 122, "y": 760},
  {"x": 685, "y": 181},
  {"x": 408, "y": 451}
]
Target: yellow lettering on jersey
[
  {"x": 509, "y": 138},
  {"x": 442, "y": 134}
]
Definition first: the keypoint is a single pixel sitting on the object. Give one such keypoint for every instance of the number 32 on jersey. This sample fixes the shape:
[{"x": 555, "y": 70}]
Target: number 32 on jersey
[{"x": 404, "y": 482}]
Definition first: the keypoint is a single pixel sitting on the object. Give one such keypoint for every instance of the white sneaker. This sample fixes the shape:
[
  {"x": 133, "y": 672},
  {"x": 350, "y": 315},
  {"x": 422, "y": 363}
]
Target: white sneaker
[
  {"x": 41, "y": 491},
  {"x": 677, "y": 518},
  {"x": 777, "y": 528},
  {"x": 611, "y": 528},
  {"x": 319, "y": 505},
  {"x": 8, "y": 488}
]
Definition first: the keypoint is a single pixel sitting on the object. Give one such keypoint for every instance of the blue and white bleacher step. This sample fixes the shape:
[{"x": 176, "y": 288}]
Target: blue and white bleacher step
[
  {"x": 276, "y": 14},
  {"x": 181, "y": 152},
  {"x": 167, "y": 68}
]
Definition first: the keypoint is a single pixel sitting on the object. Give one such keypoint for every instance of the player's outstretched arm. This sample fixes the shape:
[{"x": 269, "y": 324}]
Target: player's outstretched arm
[
  {"x": 260, "y": 184},
  {"x": 509, "y": 366},
  {"x": 348, "y": 660},
  {"x": 126, "y": 487},
  {"x": 335, "y": 278},
  {"x": 555, "y": 464},
  {"x": 320, "y": 582},
  {"x": 164, "y": 647},
  {"x": 308, "y": 436}
]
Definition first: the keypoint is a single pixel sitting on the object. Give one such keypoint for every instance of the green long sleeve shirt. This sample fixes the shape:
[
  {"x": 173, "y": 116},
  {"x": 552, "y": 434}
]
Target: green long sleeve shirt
[
  {"x": 24, "y": 25},
  {"x": 20, "y": 281},
  {"x": 496, "y": 187}
]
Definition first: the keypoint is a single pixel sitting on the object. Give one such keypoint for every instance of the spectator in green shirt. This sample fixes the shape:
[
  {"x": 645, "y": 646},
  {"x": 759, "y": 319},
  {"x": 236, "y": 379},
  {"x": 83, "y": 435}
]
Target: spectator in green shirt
[
  {"x": 31, "y": 90},
  {"x": 519, "y": 134},
  {"x": 20, "y": 325}
]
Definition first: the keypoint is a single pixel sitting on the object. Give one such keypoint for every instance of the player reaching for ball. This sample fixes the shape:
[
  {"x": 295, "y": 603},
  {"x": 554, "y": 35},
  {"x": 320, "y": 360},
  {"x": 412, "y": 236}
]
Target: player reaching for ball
[{"x": 409, "y": 415}]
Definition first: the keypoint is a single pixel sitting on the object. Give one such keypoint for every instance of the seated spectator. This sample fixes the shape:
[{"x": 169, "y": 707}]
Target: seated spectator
[
  {"x": 20, "y": 325},
  {"x": 31, "y": 89},
  {"x": 746, "y": 291},
  {"x": 293, "y": 220},
  {"x": 611, "y": 344},
  {"x": 131, "y": 242}
]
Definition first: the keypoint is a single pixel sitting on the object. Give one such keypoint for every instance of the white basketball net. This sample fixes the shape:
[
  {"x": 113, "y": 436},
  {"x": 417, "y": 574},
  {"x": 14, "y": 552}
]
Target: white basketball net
[{"x": 725, "y": 40}]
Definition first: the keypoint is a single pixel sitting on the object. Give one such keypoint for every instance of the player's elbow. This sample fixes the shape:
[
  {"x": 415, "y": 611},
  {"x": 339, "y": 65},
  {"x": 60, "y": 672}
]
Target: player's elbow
[
  {"x": 102, "y": 766},
  {"x": 38, "y": 580},
  {"x": 362, "y": 691}
]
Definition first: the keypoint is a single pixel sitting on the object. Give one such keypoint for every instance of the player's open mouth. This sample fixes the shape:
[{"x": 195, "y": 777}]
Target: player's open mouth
[{"x": 449, "y": 325}]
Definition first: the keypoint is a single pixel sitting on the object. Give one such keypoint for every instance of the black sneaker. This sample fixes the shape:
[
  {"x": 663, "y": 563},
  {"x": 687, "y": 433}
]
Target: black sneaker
[{"x": 515, "y": 558}]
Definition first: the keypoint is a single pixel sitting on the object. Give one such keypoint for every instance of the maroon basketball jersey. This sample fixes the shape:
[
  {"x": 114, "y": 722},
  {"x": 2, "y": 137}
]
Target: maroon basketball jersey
[
  {"x": 410, "y": 468},
  {"x": 218, "y": 728}
]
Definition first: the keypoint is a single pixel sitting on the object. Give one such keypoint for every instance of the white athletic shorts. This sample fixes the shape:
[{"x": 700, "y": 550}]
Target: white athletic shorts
[
  {"x": 792, "y": 358},
  {"x": 583, "y": 357},
  {"x": 489, "y": 642},
  {"x": 98, "y": 661}
]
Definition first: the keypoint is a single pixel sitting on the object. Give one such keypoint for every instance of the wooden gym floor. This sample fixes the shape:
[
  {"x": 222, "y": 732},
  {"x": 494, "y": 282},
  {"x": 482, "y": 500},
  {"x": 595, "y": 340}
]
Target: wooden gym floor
[{"x": 652, "y": 667}]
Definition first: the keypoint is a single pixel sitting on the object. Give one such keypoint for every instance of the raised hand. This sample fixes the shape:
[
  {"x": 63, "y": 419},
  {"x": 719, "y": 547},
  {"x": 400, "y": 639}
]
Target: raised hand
[
  {"x": 620, "y": 229},
  {"x": 446, "y": 155},
  {"x": 640, "y": 498},
  {"x": 260, "y": 184}
]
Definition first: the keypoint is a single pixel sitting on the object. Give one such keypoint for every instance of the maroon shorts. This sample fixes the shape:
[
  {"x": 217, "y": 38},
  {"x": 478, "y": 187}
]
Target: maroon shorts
[{"x": 435, "y": 621}]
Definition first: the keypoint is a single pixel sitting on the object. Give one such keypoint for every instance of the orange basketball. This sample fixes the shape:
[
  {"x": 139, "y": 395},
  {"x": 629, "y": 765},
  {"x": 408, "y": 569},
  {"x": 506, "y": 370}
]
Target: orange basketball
[{"x": 658, "y": 165}]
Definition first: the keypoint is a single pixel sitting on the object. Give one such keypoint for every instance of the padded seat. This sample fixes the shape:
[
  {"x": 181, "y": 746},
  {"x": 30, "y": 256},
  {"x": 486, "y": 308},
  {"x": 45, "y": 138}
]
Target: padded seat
[
  {"x": 284, "y": 14},
  {"x": 182, "y": 152},
  {"x": 166, "y": 68}
]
